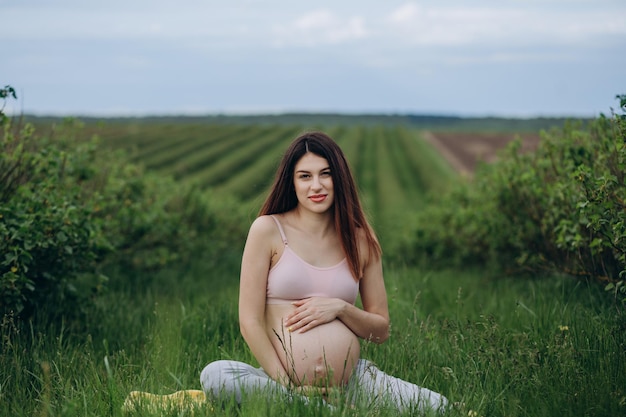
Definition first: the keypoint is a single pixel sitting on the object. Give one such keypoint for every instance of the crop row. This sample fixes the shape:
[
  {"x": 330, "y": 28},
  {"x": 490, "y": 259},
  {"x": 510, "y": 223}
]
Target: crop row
[{"x": 394, "y": 168}]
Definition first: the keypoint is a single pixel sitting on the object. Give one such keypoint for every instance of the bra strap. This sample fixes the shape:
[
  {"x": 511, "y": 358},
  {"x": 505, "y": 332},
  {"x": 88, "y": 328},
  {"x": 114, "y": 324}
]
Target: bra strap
[{"x": 280, "y": 229}]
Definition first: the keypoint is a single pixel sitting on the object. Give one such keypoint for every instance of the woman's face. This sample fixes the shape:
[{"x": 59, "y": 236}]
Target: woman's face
[{"x": 313, "y": 182}]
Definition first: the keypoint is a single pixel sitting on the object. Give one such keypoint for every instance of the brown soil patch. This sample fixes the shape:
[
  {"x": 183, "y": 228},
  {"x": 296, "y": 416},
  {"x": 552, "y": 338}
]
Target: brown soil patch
[{"x": 465, "y": 150}]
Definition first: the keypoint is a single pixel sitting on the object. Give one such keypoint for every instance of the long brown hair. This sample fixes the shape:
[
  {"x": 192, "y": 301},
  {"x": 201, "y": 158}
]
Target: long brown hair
[{"x": 348, "y": 213}]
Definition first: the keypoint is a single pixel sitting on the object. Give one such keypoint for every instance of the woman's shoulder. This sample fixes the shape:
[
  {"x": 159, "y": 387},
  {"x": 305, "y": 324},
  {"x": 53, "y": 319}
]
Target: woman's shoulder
[
  {"x": 265, "y": 228},
  {"x": 264, "y": 224},
  {"x": 367, "y": 241},
  {"x": 362, "y": 234}
]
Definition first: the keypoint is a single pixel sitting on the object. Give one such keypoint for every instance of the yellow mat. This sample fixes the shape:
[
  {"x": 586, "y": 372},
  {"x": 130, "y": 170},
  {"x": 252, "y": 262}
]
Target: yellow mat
[{"x": 145, "y": 401}]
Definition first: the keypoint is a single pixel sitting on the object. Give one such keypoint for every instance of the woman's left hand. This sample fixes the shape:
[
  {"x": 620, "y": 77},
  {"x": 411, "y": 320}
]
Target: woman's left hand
[{"x": 311, "y": 312}]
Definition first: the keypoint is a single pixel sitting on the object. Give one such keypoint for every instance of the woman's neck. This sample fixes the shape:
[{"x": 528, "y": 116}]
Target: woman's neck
[{"x": 319, "y": 224}]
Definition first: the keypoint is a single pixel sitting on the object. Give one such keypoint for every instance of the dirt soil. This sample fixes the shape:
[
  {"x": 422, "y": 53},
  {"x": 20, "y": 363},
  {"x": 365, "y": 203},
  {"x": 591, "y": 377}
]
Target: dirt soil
[{"x": 464, "y": 150}]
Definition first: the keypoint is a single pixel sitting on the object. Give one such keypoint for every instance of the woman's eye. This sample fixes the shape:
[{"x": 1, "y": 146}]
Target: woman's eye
[{"x": 326, "y": 174}]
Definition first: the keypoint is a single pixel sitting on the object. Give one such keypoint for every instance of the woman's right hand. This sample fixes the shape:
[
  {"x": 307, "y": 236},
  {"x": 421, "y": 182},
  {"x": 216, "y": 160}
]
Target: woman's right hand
[{"x": 312, "y": 312}]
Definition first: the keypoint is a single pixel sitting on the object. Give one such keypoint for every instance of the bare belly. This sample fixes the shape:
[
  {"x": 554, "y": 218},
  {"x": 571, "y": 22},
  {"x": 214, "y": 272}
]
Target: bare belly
[{"x": 323, "y": 356}]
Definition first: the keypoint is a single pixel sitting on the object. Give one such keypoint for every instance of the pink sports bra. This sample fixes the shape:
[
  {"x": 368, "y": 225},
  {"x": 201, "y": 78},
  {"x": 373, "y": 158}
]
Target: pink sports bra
[{"x": 292, "y": 278}]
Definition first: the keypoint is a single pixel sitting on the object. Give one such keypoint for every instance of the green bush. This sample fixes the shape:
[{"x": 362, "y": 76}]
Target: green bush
[
  {"x": 72, "y": 214},
  {"x": 561, "y": 208},
  {"x": 6, "y": 92}
]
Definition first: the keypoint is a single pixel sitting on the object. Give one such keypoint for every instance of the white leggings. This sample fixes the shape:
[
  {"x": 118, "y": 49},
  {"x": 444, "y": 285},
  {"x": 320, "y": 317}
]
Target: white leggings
[{"x": 368, "y": 386}]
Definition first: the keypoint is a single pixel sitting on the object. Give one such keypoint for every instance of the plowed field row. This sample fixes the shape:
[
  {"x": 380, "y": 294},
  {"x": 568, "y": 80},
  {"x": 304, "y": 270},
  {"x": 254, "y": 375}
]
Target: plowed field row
[{"x": 465, "y": 150}]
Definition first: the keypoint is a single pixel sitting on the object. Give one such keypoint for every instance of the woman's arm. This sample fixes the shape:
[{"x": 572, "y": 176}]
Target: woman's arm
[
  {"x": 371, "y": 323},
  {"x": 255, "y": 266}
]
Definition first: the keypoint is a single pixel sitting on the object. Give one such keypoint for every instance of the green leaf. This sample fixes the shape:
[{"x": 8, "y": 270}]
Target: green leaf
[{"x": 61, "y": 236}]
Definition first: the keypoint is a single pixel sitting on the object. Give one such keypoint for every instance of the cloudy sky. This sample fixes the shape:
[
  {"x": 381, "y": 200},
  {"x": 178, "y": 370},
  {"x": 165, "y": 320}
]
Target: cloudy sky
[{"x": 454, "y": 57}]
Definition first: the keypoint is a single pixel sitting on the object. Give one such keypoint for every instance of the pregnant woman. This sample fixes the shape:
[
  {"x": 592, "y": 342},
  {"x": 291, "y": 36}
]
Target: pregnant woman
[{"x": 307, "y": 257}]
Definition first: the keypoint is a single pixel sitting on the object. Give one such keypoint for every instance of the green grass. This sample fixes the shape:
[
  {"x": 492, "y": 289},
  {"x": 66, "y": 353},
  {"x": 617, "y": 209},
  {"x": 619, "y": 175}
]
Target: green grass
[
  {"x": 252, "y": 178},
  {"x": 503, "y": 347},
  {"x": 366, "y": 171}
]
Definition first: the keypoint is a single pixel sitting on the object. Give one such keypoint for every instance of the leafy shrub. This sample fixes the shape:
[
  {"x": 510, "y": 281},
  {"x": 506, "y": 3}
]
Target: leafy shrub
[
  {"x": 561, "y": 208},
  {"x": 71, "y": 212},
  {"x": 43, "y": 238},
  {"x": 6, "y": 92}
]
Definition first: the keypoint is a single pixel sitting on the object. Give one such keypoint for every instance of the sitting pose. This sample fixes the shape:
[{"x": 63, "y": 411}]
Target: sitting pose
[{"x": 307, "y": 257}]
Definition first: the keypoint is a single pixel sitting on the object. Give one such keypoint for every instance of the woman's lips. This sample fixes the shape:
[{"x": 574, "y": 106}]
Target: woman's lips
[{"x": 318, "y": 198}]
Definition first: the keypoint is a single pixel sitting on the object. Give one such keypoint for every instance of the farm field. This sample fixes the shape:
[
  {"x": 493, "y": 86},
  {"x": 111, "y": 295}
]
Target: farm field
[
  {"x": 395, "y": 168},
  {"x": 464, "y": 150},
  {"x": 497, "y": 345}
]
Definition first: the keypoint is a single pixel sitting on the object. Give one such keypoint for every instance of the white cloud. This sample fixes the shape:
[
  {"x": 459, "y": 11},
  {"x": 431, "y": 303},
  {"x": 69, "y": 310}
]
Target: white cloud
[
  {"x": 315, "y": 21},
  {"x": 320, "y": 27},
  {"x": 249, "y": 23},
  {"x": 500, "y": 25},
  {"x": 128, "y": 22},
  {"x": 406, "y": 13}
]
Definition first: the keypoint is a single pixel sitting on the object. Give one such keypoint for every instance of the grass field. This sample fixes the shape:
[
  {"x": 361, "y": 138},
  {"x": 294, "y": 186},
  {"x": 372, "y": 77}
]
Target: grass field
[{"x": 502, "y": 346}]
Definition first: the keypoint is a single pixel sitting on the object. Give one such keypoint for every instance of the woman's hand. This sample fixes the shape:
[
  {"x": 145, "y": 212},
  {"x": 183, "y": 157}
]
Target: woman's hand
[{"x": 311, "y": 312}]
